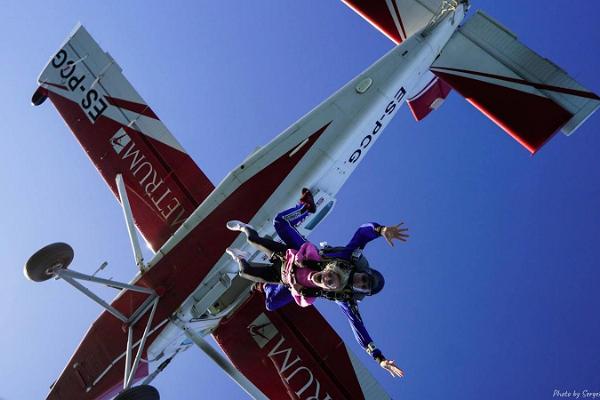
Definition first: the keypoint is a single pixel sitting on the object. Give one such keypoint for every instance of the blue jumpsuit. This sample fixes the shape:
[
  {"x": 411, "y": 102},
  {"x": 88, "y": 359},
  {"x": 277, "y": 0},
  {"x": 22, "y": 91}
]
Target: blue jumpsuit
[{"x": 278, "y": 295}]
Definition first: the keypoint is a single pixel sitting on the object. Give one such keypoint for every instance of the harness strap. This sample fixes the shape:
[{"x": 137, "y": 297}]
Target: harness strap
[
  {"x": 343, "y": 295},
  {"x": 356, "y": 253}
]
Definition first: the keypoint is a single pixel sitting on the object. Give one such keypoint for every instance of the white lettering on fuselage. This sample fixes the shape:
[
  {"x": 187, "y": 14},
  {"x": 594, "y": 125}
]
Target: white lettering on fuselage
[
  {"x": 367, "y": 139},
  {"x": 153, "y": 186}
]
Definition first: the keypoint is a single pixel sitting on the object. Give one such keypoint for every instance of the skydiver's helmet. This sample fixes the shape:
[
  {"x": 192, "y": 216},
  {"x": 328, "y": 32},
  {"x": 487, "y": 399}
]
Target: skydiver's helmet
[
  {"x": 369, "y": 285},
  {"x": 377, "y": 282}
]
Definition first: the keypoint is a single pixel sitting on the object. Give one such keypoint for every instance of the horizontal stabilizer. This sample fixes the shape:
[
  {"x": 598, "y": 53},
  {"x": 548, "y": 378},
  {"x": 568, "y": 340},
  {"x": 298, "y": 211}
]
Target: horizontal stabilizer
[
  {"x": 397, "y": 19},
  {"x": 122, "y": 135},
  {"x": 526, "y": 95}
]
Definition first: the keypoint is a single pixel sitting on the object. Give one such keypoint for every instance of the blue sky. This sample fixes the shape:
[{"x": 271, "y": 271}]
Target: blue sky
[{"x": 496, "y": 293}]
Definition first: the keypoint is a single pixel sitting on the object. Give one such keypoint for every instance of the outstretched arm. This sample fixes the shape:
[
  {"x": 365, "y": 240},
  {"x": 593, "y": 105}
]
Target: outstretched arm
[
  {"x": 350, "y": 309},
  {"x": 367, "y": 232},
  {"x": 363, "y": 235}
]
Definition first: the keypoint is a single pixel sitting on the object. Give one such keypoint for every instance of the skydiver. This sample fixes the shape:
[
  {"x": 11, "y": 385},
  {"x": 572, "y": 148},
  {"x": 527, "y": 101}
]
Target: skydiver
[{"x": 299, "y": 271}]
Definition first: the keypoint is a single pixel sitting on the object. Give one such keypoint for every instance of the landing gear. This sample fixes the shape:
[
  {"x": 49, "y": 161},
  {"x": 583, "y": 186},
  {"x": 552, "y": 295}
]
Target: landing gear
[
  {"x": 52, "y": 262},
  {"x": 44, "y": 264},
  {"x": 39, "y": 96},
  {"x": 142, "y": 392}
]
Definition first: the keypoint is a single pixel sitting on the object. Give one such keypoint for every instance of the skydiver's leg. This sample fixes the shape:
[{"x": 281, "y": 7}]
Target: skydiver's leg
[
  {"x": 276, "y": 296},
  {"x": 269, "y": 273},
  {"x": 253, "y": 271},
  {"x": 286, "y": 221},
  {"x": 266, "y": 245},
  {"x": 285, "y": 225}
]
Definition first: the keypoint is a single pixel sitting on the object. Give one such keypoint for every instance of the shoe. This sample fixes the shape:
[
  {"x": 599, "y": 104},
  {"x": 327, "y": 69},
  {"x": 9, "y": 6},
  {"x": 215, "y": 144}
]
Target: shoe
[
  {"x": 235, "y": 225},
  {"x": 308, "y": 201},
  {"x": 258, "y": 287},
  {"x": 237, "y": 254}
]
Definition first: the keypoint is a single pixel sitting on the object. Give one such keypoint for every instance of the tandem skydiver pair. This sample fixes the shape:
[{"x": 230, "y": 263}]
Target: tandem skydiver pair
[{"x": 299, "y": 271}]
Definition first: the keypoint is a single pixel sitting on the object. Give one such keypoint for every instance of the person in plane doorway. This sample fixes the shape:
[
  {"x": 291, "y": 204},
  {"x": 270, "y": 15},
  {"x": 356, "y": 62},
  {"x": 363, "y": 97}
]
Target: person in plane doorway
[{"x": 299, "y": 271}]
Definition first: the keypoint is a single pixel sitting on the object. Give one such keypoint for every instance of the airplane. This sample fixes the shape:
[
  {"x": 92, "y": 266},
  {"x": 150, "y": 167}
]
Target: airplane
[{"x": 173, "y": 303}]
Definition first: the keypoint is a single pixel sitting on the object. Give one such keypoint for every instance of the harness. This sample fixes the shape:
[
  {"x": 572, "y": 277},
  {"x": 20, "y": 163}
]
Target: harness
[
  {"x": 356, "y": 253},
  {"x": 345, "y": 294}
]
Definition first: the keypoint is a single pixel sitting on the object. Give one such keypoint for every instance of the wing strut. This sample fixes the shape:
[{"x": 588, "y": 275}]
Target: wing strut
[
  {"x": 72, "y": 278},
  {"x": 221, "y": 361},
  {"x": 135, "y": 244},
  {"x": 148, "y": 306},
  {"x": 130, "y": 370}
]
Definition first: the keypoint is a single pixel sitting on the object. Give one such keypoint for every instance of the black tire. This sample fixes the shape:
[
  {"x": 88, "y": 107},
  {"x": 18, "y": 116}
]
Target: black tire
[
  {"x": 41, "y": 266},
  {"x": 39, "y": 96},
  {"x": 142, "y": 392}
]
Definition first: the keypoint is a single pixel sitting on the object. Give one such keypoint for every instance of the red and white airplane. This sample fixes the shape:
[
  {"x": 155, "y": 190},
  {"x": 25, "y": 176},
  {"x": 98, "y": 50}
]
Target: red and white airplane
[{"x": 190, "y": 288}]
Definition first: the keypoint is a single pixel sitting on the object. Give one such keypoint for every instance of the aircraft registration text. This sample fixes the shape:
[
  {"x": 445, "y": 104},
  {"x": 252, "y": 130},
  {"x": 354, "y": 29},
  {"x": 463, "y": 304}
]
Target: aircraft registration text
[
  {"x": 92, "y": 102},
  {"x": 366, "y": 141}
]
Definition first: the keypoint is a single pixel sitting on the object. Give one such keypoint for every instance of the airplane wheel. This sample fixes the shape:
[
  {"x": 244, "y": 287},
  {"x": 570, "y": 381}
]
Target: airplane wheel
[
  {"x": 142, "y": 392},
  {"x": 39, "y": 96},
  {"x": 42, "y": 265}
]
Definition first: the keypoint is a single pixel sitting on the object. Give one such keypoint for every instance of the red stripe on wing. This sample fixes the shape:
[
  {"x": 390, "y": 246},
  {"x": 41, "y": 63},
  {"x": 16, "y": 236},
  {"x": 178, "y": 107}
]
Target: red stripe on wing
[{"x": 143, "y": 109}]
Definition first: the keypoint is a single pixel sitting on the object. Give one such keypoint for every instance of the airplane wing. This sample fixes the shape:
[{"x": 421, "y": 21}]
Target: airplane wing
[
  {"x": 294, "y": 353},
  {"x": 397, "y": 19},
  {"x": 121, "y": 134}
]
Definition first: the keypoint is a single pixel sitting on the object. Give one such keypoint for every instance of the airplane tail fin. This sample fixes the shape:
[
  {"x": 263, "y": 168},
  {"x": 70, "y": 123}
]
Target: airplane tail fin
[
  {"x": 122, "y": 135},
  {"x": 429, "y": 97},
  {"x": 526, "y": 95}
]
